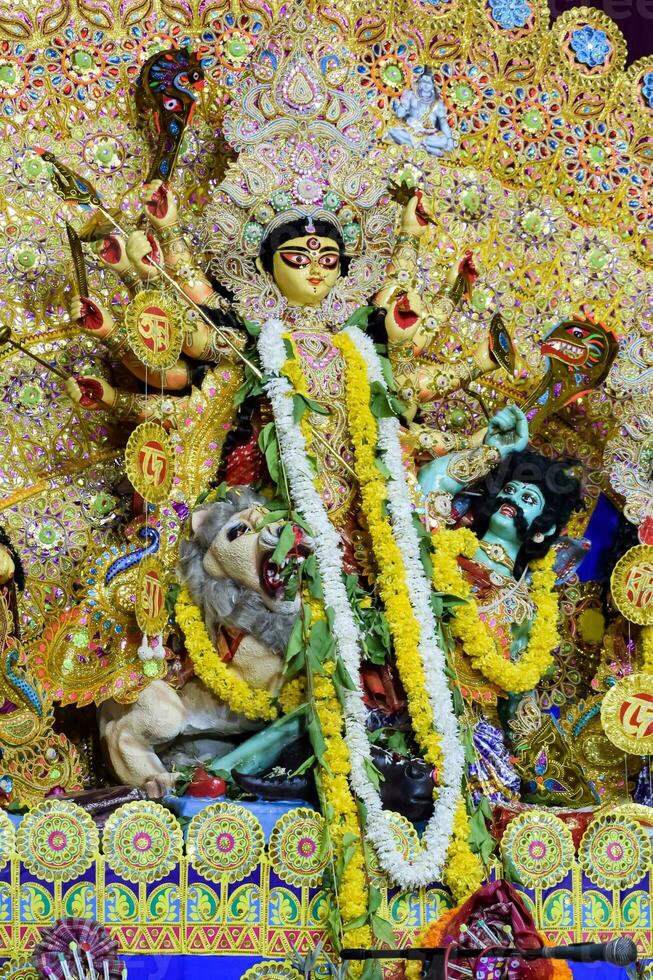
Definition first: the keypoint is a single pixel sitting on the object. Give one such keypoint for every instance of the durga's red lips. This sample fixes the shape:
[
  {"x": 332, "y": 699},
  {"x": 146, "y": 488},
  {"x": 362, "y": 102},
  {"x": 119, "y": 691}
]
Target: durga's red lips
[
  {"x": 404, "y": 317},
  {"x": 315, "y": 280},
  {"x": 508, "y": 510}
]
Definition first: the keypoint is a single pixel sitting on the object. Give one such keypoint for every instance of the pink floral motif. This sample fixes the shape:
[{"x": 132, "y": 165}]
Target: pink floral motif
[
  {"x": 142, "y": 841},
  {"x": 225, "y": 843},
  {"x": 57, "y": 840}
]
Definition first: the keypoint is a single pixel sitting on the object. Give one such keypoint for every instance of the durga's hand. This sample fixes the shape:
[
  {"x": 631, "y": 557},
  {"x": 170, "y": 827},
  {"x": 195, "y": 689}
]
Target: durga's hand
[
  {"x": 143, "y": 252},
  {"x": 90, "y": 315},
  {"x": 404, "y": 309},
  {"x": 112, "y": 253},
  {"x": 160, "y": 204},
  {"x": 507, "y": 431},
  {"x": 415, "y": 220},
  {"x": 7, "y": 566},
  {"x": 95, "y": 394}
]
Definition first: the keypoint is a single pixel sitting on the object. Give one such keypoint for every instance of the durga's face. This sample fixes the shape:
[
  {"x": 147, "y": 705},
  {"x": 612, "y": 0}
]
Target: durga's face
[{"x": 306, "y": 269}]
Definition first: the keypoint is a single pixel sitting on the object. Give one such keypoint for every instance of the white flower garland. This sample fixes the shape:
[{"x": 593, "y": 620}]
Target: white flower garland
[
  {"x": 427, "y": 865},
  {"x": 432, "y": 657}
]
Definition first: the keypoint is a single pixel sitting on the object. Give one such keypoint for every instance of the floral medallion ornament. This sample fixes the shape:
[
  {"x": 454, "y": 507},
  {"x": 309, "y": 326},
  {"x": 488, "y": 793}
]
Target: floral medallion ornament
[
  {"x": 57, "y": 841},
  {"x": 154, "y": 331},
  {"x": 271, "y": 970},
  {"x": 615, "y": 852},
  {"x": 511, "y": 15},
  {"x": 225, "y": 842},
  {"x": 590, "y": 46},
  {"x": 20, "y": 968},
  {"x": 593, "y": 44},
  {"x": 538, "y": 849},
  {"x": 142, "y": 841},
  {"x": 149, "y": 462},
  {"x": 151, "y": 612},
  {"x": 632, "y": 585},
  {"x": 297, "y": 848},
  {"x": 7, "y": 835},
  {"x": 627, "y": 714}
]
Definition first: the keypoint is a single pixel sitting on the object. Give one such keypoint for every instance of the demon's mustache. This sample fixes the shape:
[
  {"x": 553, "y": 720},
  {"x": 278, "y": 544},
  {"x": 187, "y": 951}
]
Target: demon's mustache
[{"x": 519, "y": 518}]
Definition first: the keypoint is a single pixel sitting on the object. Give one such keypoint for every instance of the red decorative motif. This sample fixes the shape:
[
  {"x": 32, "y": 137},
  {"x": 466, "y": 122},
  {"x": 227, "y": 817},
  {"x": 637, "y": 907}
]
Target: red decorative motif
[{"x": 153, "y": 462}]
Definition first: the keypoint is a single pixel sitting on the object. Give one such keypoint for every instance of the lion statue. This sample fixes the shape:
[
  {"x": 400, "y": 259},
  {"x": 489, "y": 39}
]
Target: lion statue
[{"x": 228, "y": 569}]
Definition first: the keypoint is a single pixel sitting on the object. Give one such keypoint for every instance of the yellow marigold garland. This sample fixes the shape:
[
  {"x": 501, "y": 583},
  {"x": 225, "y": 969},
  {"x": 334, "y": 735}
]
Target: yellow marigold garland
[
  {"x": 477, "y": 640},
  {"x": 292, "y": 694},
  {"x": 353, "y": 888},
  {"x": 224, "y": 683},
  {"x": 391, "y": 582},
  {"x": 464, "y": 872}
]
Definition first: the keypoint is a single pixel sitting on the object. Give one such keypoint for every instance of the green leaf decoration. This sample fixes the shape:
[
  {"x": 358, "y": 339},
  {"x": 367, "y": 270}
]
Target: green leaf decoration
[
  {"x": 284, "y": 544},
  {"x": 382, "y": 929},
  {"x": 380, "y": 401},
  {"x": 382, "y": 468},
  {"x": 317, "y": 741},
  {"x": 360, "y": 317},
  {"x": 373, "y": 773}
]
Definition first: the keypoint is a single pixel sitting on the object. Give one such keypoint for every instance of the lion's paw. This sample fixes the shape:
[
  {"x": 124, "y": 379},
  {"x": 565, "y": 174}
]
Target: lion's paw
[{"x": 160, "y": 785}]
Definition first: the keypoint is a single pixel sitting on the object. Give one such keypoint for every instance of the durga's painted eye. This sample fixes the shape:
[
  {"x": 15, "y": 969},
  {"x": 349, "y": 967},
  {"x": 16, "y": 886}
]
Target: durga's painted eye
[
  {"x": 295, "y": 259},
  {"x": 329, "y": 261}
]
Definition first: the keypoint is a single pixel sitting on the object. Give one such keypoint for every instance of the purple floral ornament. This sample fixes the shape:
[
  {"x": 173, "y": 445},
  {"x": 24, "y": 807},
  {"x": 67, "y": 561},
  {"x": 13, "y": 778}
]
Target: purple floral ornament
[
  {"x": 510, "y": 15},
  {"x": 591, "y": 46}
]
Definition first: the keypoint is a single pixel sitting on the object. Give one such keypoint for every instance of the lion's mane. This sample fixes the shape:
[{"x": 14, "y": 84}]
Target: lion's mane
[{"x": 224, "y": 602}]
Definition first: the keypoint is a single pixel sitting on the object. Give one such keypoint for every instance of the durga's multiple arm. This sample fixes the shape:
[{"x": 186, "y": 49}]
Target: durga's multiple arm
[
  {"x": 134, "y": 262},
  {"x": 418, "y": 380}
]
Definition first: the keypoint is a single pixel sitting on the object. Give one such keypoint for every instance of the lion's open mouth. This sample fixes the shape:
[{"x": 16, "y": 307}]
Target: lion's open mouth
[{"x": 274, "y": 576}]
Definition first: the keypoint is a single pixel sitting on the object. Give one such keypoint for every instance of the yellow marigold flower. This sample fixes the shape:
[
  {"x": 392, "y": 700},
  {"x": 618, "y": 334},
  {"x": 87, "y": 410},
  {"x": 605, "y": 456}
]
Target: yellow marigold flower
[
  {"x": 478, "y": 641},
  {"x": 211, "y": 670}
]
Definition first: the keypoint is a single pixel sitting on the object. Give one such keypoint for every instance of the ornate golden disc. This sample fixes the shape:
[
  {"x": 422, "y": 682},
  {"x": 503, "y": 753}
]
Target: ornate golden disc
[
  {"x": 154, "y": 329},
  {"x": 151, "y": 612},
  {"x": 632, "y": 585},
  {"x": 149, "y": 460},
  {"x": 627, "y": 714}
]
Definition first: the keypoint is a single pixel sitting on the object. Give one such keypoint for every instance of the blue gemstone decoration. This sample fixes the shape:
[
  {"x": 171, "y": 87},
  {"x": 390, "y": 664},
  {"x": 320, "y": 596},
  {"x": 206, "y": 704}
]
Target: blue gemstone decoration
[
  {"x": 152, "y": 539},
  {"x": 647, "y": 88},
  {"x": 19, "y": 683},
  {"x": 510, "y": 14},
  {"x": 591, "y": 46}
]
